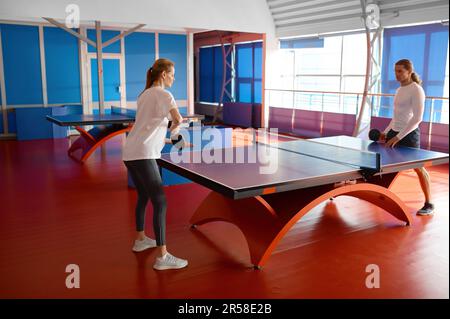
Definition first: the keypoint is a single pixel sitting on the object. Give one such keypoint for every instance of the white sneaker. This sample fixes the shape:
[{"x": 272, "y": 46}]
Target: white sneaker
[
  {"x": 169, "y": 262},
  {"x": 140, "y": 245}
]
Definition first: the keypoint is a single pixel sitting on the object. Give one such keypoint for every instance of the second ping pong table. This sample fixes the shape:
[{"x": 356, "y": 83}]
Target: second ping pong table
[
  {"x": 106, "y": 126},
  {"x": 265, "y": 206}
]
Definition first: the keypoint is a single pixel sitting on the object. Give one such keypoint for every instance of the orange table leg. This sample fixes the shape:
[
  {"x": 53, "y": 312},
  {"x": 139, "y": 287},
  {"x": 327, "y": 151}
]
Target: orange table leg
[
  {"x": 264, "y": 220},
  {"x": 86, "y": 144}
]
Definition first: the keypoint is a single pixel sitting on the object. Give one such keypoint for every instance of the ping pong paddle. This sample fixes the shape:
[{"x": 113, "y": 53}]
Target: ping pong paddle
[
  {"x": 177, "y": 141},
  {"x": 374, "y": 135}
]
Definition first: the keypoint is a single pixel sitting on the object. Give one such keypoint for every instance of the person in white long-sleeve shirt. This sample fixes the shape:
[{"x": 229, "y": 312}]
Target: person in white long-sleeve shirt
[{"x": 404, "y": 129}]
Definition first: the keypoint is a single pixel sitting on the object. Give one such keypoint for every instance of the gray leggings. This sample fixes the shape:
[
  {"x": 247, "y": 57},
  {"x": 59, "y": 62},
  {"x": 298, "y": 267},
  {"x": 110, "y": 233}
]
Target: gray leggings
[{"x": 147, "y": 179}]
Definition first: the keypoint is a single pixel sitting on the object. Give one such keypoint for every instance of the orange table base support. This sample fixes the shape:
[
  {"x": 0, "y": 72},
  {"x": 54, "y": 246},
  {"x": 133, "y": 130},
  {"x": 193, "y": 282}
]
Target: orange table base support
[
  {"x": 264, "y": 220},
  {"x": 89, "y": 141}
]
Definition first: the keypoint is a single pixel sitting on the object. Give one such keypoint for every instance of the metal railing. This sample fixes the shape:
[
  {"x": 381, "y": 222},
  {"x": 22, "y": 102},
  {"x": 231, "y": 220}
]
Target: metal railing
[
  {"x": 349, "y": 103},
  {"x": 436, "y": 108}
]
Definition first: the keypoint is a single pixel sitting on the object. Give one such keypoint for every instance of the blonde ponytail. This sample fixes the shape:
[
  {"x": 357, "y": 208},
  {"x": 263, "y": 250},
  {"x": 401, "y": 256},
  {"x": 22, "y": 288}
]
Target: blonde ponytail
[{"x": 416, "y": 78}]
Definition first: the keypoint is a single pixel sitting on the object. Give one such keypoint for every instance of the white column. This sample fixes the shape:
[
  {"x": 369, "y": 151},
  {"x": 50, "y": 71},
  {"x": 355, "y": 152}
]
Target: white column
[
  {"x": 43, "y": 67},
  {"x": 123, "y": 87},
  {"x": 101, "y": 92},
  {"x": 190, "y": 72},
  {"x": 156, "y": 46},
  {"x": 3, "y": 89},
  {"x": 84, "y": 81}
]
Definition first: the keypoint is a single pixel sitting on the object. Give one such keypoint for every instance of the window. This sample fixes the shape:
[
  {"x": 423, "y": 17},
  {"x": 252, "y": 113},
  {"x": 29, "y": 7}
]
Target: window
[
  {"x": 249, "y": 72},
  {"x": 444, "y": 118},
  {"x": 354, "y": 55},
  {"x": 340, "y": 66},
  {"x": 320, "y": 61},
  {"x": 248, "y": 67},
  {"x": 426, "y": 46},
  {"x": 283, "y": 99},
  {"x": 332, "y": 67}
]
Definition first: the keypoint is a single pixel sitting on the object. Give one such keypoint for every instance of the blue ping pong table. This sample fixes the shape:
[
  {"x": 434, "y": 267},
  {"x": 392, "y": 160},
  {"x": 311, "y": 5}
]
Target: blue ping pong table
[
  {"x": 106, "y": 126},
  {"x": 265, "y": 206}
]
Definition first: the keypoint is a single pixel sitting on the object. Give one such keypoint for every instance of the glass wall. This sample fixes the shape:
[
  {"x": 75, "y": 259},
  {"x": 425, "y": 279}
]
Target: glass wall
[
  {"x": 337, "y": 66},
  {"x": 333, "y": 67}
]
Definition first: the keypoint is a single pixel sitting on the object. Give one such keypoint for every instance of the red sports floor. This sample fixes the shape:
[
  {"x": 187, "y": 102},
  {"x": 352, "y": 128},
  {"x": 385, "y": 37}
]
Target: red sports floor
[{"x": 55, "y": 212}]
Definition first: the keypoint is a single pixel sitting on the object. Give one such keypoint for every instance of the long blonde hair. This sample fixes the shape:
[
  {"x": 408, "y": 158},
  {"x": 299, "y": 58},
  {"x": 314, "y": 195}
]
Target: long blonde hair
[{"x": 408, "y": 65}]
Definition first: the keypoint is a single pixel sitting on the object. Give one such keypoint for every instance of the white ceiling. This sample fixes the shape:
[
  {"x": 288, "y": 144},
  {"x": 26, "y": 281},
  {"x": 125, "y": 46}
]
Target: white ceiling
[
  {"x": 304, "y": 17},
  {"x": 169, "y": 15}
]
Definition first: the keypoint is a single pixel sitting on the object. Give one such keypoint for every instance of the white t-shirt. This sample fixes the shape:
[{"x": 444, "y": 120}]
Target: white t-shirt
[
  {"x": 409, "y": 103},
  {"x": 147, "y": 137}
]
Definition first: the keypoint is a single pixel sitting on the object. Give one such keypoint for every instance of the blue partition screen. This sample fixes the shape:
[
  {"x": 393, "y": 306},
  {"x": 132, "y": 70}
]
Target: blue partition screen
[
  {"x": 206, "y": 67},
  {"x": 211, "y": 74},
  {"x": 62, "y": 66},
  {"x": 139, "y": 57},
  {"x": 22, "y": 64},
  {"x": 174, "y": 47}
]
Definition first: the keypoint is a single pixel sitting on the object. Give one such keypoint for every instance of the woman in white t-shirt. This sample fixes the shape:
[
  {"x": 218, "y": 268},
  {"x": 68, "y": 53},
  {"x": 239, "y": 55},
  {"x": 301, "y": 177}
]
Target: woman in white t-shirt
[
  {"x": 143, "y": 146},
  {"x": 404, "y": 130}
]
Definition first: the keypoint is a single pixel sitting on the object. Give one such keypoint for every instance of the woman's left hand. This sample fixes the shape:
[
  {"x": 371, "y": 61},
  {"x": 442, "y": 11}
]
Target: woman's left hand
[{"x": 392, "y": 142}]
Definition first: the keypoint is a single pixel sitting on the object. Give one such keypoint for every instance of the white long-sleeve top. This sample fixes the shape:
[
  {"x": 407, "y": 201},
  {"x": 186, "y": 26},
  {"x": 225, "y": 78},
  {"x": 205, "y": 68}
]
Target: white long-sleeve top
[{"x": 409, "y": 104}]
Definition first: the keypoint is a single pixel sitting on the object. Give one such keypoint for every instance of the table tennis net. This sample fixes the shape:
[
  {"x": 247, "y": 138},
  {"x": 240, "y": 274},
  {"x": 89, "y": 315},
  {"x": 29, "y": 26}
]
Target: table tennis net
[
  {"x": 123, "y": 111},
  {"x": 364, "y": 160}
]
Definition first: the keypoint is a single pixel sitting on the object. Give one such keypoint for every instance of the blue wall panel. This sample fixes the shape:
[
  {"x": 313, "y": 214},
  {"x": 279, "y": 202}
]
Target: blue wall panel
[
  {"x": 62, "y": 65},
  {"x": 218, "y": 73},
  {"x": 174, "y": 47},
  {"x": 139, "y": 57},
  {"x": 32, "y": 124},
  {"x": 22, "y": 64},
  {"x": 1, "y": 123},
  {"x": 11, "y": 122},
  {"x": 206, "y": 68},
  {"x": 106, "y": 35},
  {"x": 183, "y": 110},
  {"x": 211, "y": 74}
]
